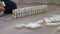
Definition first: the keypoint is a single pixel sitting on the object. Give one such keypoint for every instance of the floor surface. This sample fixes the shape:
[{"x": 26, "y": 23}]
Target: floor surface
[{"x": 7, "y": 23}]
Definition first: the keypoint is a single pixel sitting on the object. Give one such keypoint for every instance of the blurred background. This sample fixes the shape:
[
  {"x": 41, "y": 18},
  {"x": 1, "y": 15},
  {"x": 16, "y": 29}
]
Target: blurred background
[{"x": 35, "y": 2}]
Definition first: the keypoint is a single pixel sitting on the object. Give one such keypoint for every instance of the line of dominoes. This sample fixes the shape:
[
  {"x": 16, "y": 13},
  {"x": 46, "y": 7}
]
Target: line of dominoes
[{"x": 21, "y": 12}]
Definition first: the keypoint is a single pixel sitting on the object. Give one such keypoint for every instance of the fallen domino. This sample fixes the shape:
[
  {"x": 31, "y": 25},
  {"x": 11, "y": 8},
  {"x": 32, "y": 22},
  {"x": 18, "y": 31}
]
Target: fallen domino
[
  {"x": 40, "y": 21},
  {"x": 28, "y": 25},
  {"x": 52, "y": 19},
  {"x": 56, "y": 17},
  {"x": 29, "y": 11},
  {"x": 47, "y": 20},
  {"x": 19, "y": 26},
  {"x": 51, "y": 24},
  {"x": 32, "y": 26}
]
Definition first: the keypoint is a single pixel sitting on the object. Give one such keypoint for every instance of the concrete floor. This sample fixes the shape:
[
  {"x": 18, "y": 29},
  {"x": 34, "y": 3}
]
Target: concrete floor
[{"x": 7, "y": 23}]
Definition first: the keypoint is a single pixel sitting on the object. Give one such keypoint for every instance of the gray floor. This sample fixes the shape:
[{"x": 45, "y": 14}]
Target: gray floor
[{"x": 7, "y": 23}]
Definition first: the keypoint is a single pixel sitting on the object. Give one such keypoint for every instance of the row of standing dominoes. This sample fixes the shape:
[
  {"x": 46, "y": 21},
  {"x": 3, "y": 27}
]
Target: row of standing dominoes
[{"x": 29, "y": 11}]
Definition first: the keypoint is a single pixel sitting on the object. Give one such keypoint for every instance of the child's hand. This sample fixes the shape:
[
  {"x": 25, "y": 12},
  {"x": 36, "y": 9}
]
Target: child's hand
[{"x": 2, "y": 8}]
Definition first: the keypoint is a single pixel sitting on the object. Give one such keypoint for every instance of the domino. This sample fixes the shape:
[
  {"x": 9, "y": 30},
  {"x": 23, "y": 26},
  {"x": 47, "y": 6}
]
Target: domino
[
  {"x": 21, "y": 12},
  {"x": 19, "y": 26},
  {"x": 32, "y": 26},
  {"x": 51, "y": 24},
  {"x": 47, "y": 20},
  {"x": 28, "y": 25},
  {"x": 56, "y": 17},
  {"x": 52, "y": 19},
  {"x": 40, "y": 21},
  {"x": 15, "y": 11}
]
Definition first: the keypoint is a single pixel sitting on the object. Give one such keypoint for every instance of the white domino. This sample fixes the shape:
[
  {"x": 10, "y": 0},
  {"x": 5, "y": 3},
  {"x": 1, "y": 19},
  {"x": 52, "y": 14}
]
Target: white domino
[
  {"x": 47, "y": 20},
  {"x": 52, "y": 19},
  {"x": 52, "y": 24},
  {"x": 28, "y": 25},
  {"x": 30, "y": 10},
  {"x": 18, "y": 26},
  {"x": 56, "y": 17},
  {"x": 40, "y": 21},
  {"x": 32, "y": 25}
]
